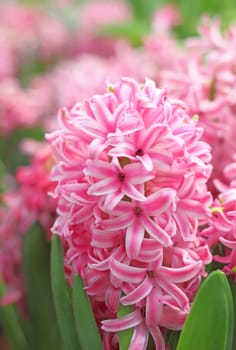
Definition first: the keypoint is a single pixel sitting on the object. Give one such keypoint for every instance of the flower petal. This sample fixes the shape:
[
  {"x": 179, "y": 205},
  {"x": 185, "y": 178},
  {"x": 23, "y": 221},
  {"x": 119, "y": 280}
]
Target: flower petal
[
  {"x": 140, "y": 338},
  {"x": 160, "y": 201},
  {"x": 133, "y": 239},
  {"x": 175, "y": 292},
  {"x": 104, "y": 187},
  {"x": 119, "y": 324},
  {"x": 181, "y": 274},
  {"x": 127, "y": 273},
  {"x": 154, "y": 307},
  {"x": 131, "y": 191},
  {"x": 138, "y": 293},
  {"x": 155, "y": 231}
]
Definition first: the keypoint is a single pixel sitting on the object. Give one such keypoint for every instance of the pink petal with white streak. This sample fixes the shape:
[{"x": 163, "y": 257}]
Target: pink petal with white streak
[
  {"x": 119, "y": 324},
  {"x": 155, "y": 231},
  {"x": 140, "y": 338},
  {"x": 133, "y": 239},
  {"x": 127, "y": 273},
  {"x": 104, "y": 187},
  {"x": 99, "y": 169},
  {"x": 132, "y": 192},
  {"x": 158, "y": 338},
  {"x": 173, "y": 290},
  {"x": 181, "y": 274},
  {"x": 139, "y": 293},
  {"x": 154, "y": 307},
  {"x": 160, "y": 201},
  {"x": 112, "y": 298}
]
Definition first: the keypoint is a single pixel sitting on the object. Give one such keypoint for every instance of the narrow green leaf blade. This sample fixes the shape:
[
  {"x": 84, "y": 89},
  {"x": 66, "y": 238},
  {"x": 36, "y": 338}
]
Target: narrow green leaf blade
[
  {"x": 133, "y": 31},
  {"x": 11, "y": 326},
  {"x": 61, "y": 298},
  {"x": 86, "y": 326},
  {"x": 125, "y": 335},
  {"x": 144, "y": 9},
  {"x": 172, "y": 339},
  {"x": 209, "y": 325},
  {"x": 36, "y": 266},
  {"x": 233, "y": 290}
]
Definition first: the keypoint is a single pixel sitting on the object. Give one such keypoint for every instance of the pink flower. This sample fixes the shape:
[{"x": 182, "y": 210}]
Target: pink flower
[
  {"x": 90, "y": 18},
  {"x": 116, "y": 181},
  {"x": 27, "y": 204},
  {"x": 131, "y": 179},
  {"x": 17, "y": 107},
  {"x": 31, "y": 32},
  {"x": 221, "y": 232},
  {"x": 165, "y": 18},
  {"x": 203, "y": 76}
]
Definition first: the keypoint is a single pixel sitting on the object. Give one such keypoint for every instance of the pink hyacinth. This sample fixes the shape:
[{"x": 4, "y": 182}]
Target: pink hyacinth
[
  {"x": 203, "y": 76},
  {"x": 17, "y": 107},
  {"x": 22, "y": 207},
  {"x": 131, "y": 179},
  {"x": 88, "y": 37},
  {"x": 31, "y": 33},
  {"x": 221, "y": 232}
]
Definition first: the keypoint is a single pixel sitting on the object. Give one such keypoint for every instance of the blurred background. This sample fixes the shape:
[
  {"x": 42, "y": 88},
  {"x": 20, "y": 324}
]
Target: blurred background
[{"x": 56, "y": 53}]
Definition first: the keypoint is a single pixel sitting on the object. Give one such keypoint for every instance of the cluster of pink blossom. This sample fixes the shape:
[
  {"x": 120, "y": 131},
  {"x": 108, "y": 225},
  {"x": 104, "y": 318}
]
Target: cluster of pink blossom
[
  {"x": 203, "y": 75},
  {"x": 20, "y": 208},
  {"x": 89, "y": 39},
  {"x": 26, "y": 35},
  {"x": 131, "y": 189},
  {"x": 221, "y": 230},
  {"x": 17, "y": 107},
  {"x": 30, "y": 33}
]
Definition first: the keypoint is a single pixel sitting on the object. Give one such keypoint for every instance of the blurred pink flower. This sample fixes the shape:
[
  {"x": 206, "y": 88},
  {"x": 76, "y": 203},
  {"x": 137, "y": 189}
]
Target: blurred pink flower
[
  {"x": 17, "y": 107},
  {"x": 31, "y": 33},
  {"x": 165, "y": 18},
  {"x": 203, "y": 76},
  {"x": 92, "y": 12},
  {"x": 88, "y": 37},
  {"x": 21, "y": 207}
]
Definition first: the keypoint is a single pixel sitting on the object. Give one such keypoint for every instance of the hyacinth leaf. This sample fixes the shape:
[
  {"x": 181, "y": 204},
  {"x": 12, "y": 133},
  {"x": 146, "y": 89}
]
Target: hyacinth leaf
[
  {"x": 125, "y": 335},
  {"x": 36, "y": 266},
  {"x": 233, "y": 290},
  {"x": 172, "y": 339},
  {"x": 61, "y": 297},
  {"x": 144, "y": 9},
  {"x": 209, "y": 325},
  {"x": 9, "y": 321},
  {"x": 9, "y": 155},
  {"x": 132, "y": 31},
  {"x": 192, "y": 11},
  {"x": 86, "y": 326}
]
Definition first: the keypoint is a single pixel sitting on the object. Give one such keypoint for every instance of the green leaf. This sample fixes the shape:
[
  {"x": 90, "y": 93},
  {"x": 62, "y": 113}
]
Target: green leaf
[
  {"x": 9, "y": 147},
  {"x": 125, "y": 335},
  {"x": 172, "y": 338},
  {"x": 86, "y": 326},
  {"x": 233, "y": 290},
  {"x": 209, "y": 325},
  {"x": 61, "y": 297},
  {"x": 143, "y": 10},
  {"x": 11, "y": 326},
  {"x": 192, "y": 11},
  {"x": 36, "y": 266},
  {"x": 133, "y": 31}
]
